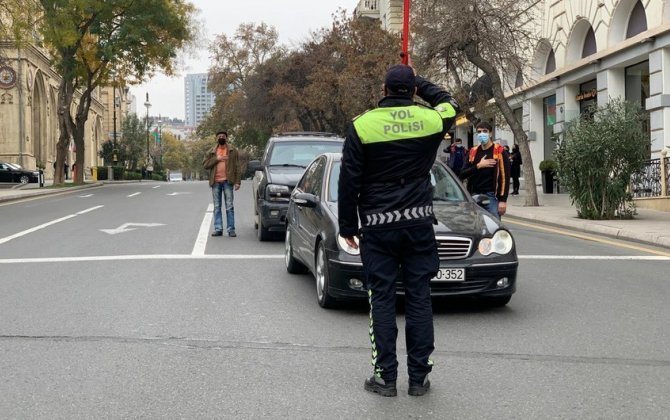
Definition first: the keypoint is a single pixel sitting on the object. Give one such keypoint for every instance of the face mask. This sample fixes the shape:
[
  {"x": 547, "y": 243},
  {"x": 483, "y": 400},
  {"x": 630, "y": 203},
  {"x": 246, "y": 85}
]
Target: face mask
[
  {"x": 483, "y": 137},
  {"x": 222, "y": 142},
  {"x": 459, "y": 145}
]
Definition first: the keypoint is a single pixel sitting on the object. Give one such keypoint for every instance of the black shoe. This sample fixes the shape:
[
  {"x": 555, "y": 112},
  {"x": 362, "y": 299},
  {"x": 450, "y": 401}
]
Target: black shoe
[
  {"x": 417, "y": 389},
  {"x": 232, "y": 234},
  {"x": 381, "y": 387},
  {"x": 217, "y": 233}
]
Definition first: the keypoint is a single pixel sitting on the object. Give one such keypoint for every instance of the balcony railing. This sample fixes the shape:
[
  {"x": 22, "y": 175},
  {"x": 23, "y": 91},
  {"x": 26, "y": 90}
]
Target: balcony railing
[{"x": 367, "y": 8}]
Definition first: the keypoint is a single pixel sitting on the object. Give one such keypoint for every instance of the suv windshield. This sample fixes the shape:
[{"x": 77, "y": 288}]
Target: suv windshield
[{"x": 301, "y": 153}]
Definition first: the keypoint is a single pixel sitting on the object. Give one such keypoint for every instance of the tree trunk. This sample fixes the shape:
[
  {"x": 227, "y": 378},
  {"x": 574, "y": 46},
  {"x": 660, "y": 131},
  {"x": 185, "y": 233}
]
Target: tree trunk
[
  {"x": 79, "y": 133},
  {"x": 65, "y": 125},
  {"x": 475, "y": 58}
]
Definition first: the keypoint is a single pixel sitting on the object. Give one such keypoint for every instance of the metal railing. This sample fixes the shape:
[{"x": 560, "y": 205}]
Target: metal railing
[{"x": 652, "y": 181}]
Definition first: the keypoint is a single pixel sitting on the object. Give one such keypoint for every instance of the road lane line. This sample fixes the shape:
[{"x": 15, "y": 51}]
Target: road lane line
[
  {"x": 47, "y": 224},
  {"x": 141, "y": 257},
  {"x": 134, "y": 194},
  {"x": 588, "y": 237},
  {"x": 89, "y": 210},
  {"x": 157, "y": 186},
  {"x": 242, "y": 257},
  {"x": 201, "y": 240}
]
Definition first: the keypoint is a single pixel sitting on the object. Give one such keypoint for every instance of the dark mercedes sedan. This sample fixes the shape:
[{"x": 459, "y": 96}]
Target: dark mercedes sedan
[{"x": 477, "y": 253}]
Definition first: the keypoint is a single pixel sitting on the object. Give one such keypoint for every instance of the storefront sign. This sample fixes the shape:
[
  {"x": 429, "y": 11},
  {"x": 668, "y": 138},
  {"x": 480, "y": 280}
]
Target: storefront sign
[{"x": 585, "y": 96}]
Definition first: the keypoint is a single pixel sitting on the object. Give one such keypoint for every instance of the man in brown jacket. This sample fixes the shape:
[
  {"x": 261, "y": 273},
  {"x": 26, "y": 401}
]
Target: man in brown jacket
[{"x": 222, "y": 162}]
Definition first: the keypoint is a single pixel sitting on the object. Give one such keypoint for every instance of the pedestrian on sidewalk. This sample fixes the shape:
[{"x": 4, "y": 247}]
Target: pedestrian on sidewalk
[
  {"x": 515, "y": 171},
  {"x": 222, "y": 162},
  {"x": 487, "y": 170},
  {"x": 386, "y": 161},
  {"x": 457, "y": 156}
]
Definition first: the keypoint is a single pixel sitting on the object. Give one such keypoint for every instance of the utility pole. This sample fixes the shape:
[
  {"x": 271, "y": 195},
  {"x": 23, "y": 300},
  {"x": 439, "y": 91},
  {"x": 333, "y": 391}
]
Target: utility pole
[{"x": 148, "y": 105}]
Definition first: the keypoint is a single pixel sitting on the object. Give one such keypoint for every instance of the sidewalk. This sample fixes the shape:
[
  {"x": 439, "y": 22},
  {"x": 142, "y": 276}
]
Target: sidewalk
[
  {"x": 649, "y": 226},
  {"x": 33, "y": 190}
]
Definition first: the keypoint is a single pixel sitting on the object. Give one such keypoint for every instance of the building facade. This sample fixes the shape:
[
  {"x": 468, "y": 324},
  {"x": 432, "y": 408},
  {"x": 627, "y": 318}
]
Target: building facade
[{"x": 198, "y": 100}]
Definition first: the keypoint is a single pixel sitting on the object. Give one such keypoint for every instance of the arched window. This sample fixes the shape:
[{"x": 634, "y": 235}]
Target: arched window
[
  {"x": 590, "y": 46},
  {"x": 637, "y": 23},
  {"x": 551, "y": 63}
]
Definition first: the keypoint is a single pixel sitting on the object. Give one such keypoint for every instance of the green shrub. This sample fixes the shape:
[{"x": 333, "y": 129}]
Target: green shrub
[
  {"x": 598, "y": 156},
  {"x": 133, "y": 175},
  {"x": 548, "y": 165}
]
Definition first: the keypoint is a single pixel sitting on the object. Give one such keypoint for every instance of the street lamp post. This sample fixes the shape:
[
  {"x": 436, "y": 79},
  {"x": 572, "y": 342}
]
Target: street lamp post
[
  {"x": 160, "y": 140},
  {"x": 115, "y": 104},
  {"x": 148, "y": 105}
]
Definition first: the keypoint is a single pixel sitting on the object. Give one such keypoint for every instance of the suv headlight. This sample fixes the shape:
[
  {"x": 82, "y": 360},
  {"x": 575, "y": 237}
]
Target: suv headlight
[
  {"x": 344, "y": 246},
  {"x": 274, "y": 192},
  {"x": 501, "y": 243}
]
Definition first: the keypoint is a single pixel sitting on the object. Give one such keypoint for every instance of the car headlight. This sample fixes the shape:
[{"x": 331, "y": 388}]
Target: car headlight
[
  {"x": 501, "y": 243},
  {"x": 344, "y": 246},
  {"x": 274, "y": 192}
]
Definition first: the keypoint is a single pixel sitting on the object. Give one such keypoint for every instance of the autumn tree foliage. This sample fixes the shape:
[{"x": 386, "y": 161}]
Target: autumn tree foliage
[
  {"x": 319, "y": 86},
  {"x": 90, "y": 38}
]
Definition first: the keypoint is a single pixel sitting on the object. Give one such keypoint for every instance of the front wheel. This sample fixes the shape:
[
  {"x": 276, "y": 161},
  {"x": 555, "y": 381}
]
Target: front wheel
[
  {"x": 321, "y": 274},
  {"x": 24, "y": 179}
]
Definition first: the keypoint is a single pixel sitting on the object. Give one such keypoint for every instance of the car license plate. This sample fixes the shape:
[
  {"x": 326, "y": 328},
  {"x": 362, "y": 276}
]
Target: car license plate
[{"x": 450, "y": 274}]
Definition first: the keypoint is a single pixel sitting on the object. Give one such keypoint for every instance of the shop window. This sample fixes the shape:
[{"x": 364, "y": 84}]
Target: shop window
[
  {"x": 588, "y": 98},
  {"x": 549, "y": 105},
  {"x": 637, "y": 90},
  {"x": 637, "y": 22}
]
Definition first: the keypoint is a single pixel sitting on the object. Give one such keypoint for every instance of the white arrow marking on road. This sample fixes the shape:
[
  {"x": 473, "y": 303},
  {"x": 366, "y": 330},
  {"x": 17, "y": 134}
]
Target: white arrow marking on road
[
  {"x": 178, "y": 193},
  {"x": 126, "y": 227},
  {"x": 133, "y": 195},
  {"x": 86, "y": 196}
]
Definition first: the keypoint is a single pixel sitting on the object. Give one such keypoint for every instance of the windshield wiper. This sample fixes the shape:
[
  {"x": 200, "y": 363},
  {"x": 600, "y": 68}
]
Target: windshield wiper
[{"x": 292, "y": 165}]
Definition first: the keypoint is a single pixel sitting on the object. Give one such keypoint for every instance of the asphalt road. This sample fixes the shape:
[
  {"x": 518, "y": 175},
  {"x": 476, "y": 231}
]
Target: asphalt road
[{"x": 115, "y": 302}]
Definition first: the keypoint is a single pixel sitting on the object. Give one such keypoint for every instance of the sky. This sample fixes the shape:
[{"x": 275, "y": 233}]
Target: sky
[{"x": 293, "y": 19}]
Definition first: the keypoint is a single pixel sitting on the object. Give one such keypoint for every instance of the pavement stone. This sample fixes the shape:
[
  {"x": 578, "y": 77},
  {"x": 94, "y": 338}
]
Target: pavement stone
[{"x": 649, "y": 226}]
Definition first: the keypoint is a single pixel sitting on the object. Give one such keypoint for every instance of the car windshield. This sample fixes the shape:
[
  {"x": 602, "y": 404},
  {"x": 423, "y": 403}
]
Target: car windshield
[
  {"x": 300, "y": 153},
  {"x": 445, "y": 186}
]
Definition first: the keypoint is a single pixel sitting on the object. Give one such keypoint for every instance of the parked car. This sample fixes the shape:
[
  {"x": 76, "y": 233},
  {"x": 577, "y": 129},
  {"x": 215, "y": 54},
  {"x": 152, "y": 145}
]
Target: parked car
[
  {"x": 175, "y": 176},
  {"x": 286, "y": 157},
  {"x": 13, "y": 173},
  {"x": 477, "y": 253}
]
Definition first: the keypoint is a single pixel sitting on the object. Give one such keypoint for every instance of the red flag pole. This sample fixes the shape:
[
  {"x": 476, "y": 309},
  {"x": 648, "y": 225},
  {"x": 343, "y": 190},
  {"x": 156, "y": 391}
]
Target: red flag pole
[{"x": 405, "y": 33}]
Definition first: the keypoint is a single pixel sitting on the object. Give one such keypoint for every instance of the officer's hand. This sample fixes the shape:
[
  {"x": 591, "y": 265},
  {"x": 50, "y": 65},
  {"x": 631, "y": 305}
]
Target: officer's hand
[
  {"x": 486, "y": 163},
  {"x": 351, "y": 241},
  {"x": 236, "y": 187},
  {"x": 502, "y": 208}
]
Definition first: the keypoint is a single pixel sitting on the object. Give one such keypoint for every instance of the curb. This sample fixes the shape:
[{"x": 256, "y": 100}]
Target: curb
[
  {"x": 591, "y": 226},
  {"x": 19, "y": 194}
]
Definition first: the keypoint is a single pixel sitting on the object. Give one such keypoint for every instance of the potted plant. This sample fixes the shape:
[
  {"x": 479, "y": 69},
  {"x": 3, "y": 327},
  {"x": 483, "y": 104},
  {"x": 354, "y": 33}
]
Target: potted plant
[{"x": 548, "y": 168}]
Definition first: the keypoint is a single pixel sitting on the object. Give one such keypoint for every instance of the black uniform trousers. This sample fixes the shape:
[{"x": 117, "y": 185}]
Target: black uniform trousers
[{"x": 386, "y": 252}]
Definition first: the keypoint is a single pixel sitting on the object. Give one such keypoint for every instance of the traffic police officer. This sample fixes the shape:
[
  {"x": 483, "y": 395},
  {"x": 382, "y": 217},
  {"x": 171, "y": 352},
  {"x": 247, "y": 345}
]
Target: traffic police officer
[{"x": 385, "y": 181}]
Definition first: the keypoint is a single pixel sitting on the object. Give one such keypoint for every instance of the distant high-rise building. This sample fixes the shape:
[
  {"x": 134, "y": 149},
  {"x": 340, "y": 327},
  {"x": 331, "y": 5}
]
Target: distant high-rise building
[{"x": 198, "y": 100}]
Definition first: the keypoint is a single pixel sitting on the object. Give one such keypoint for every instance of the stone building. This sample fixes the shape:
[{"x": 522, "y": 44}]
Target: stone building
[{"x": 28, "y": 102}]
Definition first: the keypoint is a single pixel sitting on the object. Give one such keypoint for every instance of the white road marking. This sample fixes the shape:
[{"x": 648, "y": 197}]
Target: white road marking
[
  {"x": 86, "y": 196},
  {"x": 47, "y": 224},
  {"x": 201, "y": 239},
  {"x": 157, "y": 186},
  {"x": 178, "y": 193},
  {"x": 272, "y": 257},
  {"x": 595, "y": 257},
  {"x": 134, "y": 194},
  {"x": 139, "y": 257},
  {"x": 126, "y": 227}
]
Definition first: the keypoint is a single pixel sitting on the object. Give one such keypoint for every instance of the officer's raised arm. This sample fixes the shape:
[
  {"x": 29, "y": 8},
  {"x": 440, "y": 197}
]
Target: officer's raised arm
[{"x": 439, "y": 99}]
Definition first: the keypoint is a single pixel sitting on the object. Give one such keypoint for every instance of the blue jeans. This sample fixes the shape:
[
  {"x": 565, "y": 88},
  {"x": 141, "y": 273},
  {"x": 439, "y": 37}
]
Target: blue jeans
[
  {"x": 226, "y": 188},
  {"x": 493, "y": 205}
]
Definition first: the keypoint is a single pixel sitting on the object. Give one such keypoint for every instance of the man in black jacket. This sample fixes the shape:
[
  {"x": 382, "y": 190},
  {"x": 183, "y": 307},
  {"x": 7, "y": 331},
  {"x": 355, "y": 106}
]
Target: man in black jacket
[{"x": 385, "y": 180}]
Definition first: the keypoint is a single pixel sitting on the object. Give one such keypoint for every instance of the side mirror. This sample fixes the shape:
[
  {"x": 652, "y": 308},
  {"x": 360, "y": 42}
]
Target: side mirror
[
  {"x": 481, "y": 200},
  {"x": 304, "y": 200}
]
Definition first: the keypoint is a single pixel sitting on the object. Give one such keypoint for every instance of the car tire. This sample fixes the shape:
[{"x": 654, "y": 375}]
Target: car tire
[
  {"x": 24, "y": 179},
  {"x": 321, "y": 276},
  {"x": 262, "y": 232},
  {"x": 496, "y": 301},
  {"x": 293, "y": 266}
]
